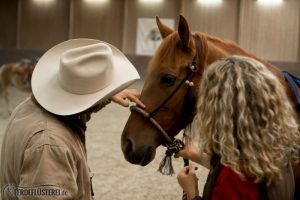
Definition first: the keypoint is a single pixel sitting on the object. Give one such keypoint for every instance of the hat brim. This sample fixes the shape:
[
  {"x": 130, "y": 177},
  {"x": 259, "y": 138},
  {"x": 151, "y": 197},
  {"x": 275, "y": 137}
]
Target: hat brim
[{"x": 53, "y": 98}]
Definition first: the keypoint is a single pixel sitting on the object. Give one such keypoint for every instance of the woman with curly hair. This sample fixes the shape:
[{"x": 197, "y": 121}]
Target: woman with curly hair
[{"x": 247, "y": 131}]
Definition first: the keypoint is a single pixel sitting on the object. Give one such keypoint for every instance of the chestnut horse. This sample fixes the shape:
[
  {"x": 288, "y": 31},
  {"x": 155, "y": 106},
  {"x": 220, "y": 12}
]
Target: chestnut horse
[{"x": 166, "y": 102}]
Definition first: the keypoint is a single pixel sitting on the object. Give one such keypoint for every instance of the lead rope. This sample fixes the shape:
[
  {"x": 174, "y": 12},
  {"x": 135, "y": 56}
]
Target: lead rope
[
  {"x": 166, "y": 167},
  {"x": 186, "y": 162}
]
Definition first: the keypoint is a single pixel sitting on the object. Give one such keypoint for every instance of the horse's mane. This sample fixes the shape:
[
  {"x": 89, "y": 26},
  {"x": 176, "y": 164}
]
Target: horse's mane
[
  {"x": 230, "y": 46},
  {"x": 219, "y": 48},
  {"x": 201, "y": 49}
]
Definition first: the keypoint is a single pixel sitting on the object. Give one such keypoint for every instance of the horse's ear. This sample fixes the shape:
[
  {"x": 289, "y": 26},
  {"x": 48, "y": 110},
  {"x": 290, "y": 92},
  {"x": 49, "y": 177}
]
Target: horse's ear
[
  {"x": 163, "y": 29},
  {"x": 184, "y": 32}
]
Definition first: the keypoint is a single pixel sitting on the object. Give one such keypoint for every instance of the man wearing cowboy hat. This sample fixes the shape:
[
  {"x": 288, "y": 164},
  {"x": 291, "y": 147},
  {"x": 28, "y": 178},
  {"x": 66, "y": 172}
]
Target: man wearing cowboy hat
[{"x": 43, "y": 152}]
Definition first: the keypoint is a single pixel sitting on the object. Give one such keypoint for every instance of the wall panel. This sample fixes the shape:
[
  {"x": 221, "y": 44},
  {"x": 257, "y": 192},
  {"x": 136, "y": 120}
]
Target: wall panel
[
  {"x": 8, "y": 23},
  {"x": 43, "y": 24},
  {"x": 220, "y": 20},
  {"x": 135, "y": 9},
  {"x": 272, "y": 32},
  {"x": 102, "y": 20}
]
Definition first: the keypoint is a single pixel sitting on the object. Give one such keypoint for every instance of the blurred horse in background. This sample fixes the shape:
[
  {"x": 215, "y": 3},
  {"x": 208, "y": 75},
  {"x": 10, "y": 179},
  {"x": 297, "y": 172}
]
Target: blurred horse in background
[{"x": 17, "y": 75}]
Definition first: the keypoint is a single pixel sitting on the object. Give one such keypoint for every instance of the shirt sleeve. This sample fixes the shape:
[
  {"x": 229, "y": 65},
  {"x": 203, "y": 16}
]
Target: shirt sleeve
[
  {"x": 48, "y": 172},
  {"x": 230, "y": 186}
]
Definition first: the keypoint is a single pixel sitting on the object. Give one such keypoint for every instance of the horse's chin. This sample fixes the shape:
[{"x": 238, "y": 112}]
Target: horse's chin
[
  {"x": 148, "y": 158},
  {"x": 141, "y": 158}
]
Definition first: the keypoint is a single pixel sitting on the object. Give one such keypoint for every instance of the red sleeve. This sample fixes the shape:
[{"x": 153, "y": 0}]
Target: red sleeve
[{"x": 229, "y": 186}]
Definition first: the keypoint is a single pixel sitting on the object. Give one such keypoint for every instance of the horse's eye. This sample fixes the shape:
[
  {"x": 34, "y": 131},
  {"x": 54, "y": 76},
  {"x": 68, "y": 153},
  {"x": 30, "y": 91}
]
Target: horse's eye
[{"x": 168, "y": 79}]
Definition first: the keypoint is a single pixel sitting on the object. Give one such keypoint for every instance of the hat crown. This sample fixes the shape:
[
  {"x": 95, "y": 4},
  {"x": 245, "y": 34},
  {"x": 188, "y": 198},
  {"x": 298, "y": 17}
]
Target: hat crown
[{"x": 86, "y": 69}]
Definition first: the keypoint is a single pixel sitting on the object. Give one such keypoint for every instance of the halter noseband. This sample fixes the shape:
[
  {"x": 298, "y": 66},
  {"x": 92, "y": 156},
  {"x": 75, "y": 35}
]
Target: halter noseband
[{"x": 150, "y": 115}]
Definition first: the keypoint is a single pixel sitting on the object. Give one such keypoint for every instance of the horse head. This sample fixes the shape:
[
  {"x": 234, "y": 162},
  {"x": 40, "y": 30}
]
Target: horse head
[
  {"x": 169, "y": 92},
  {"x": 170, "y": 103}
]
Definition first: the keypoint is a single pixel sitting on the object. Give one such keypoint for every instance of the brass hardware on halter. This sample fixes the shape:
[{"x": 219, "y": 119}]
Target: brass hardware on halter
[{"x": 189, "y": 83}]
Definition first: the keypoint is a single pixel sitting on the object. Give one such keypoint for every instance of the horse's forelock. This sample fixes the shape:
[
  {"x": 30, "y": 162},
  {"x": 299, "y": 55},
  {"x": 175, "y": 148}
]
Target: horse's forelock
[
  {"x": 170, "y": 48},
  {"x": 167, "y": 48},
  {"x": 165, "y": 52}
]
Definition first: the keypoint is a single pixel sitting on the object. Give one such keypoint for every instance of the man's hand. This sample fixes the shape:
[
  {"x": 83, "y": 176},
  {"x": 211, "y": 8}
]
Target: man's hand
[
  {"x": 188, "y": 181},
  {"x": 128, "y": 94}
]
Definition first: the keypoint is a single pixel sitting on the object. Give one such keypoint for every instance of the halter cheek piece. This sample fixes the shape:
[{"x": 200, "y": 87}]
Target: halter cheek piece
[
  {"x": 150, "y": 115},
  {"x": 173, "y": 145}
]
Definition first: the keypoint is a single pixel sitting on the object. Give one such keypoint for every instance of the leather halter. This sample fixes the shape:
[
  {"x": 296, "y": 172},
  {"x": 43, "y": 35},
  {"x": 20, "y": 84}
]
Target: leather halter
[{"x": 150, "y": 115}]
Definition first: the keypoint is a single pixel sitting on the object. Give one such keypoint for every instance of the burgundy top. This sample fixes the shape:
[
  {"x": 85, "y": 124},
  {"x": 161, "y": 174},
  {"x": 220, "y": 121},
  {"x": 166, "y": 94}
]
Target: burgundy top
[{"x": 230, "y": 186}]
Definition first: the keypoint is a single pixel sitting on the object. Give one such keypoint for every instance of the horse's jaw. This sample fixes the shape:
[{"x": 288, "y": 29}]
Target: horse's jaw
[{"x": 139, "y": 141}]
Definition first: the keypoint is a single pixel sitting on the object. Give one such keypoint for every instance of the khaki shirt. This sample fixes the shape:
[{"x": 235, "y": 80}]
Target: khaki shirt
[{"x": 42, "y": 157}]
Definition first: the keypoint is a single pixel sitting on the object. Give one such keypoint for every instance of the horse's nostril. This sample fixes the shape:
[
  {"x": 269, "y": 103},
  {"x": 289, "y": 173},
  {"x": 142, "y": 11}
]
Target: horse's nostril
[
  {"x": 128, "y": 146},
  {"x": 140, "y": 155}
]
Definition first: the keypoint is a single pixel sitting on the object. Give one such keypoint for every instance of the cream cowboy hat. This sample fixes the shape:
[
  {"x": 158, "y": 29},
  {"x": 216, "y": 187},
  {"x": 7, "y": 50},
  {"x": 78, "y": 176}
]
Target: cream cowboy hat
[{"x": 74, "y": 75}]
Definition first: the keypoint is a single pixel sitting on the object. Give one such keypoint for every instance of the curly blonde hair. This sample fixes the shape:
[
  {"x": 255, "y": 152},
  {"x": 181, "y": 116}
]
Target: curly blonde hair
[{"x": 245, "y": 117}]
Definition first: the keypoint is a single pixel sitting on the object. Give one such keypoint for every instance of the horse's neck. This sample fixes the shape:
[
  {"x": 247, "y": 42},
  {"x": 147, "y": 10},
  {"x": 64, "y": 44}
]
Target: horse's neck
[{"x": 218, "y": 49}]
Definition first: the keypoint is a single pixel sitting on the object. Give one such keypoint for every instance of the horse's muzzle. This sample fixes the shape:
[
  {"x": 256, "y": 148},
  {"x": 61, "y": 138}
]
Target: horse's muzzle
[{"x": 142, "y": 156}]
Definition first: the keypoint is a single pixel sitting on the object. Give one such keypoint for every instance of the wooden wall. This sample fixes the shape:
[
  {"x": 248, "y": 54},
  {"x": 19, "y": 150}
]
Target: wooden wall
[
  {"x": 219, "y": 20},
  {"x": 272, "y": 32},
  {"x": 103, "y": 21},
  {"x": 42, "y": 24},
  {"x": 8, "y": 23}
]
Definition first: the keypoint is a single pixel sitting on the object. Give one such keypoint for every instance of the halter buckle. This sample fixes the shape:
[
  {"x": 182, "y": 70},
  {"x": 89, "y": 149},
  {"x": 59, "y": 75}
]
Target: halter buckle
[{"x": 193, "y": 67}]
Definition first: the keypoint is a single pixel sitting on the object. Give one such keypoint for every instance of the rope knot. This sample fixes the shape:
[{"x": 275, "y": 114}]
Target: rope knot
[
  {"x": 165, "y": 166},
  {"x": 176, "y": 146}
]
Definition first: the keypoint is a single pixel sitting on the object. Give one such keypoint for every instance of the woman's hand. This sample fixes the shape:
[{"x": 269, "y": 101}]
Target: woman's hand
[
  {"x": 128, "y": 94},
  {"x": 188, "y": 181},
  {"x": 192, "y": 153}
]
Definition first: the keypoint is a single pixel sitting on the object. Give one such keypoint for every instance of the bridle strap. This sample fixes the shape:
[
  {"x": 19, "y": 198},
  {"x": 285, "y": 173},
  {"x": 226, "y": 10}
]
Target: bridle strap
[
  {"x": 150, "y": 115},
  {"x": 191, "y": 70},
  {"x": 151, "y": 120}
]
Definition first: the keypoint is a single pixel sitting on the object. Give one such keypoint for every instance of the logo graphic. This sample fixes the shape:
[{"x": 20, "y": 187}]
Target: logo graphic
[{"x": 11, "y": 191}]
